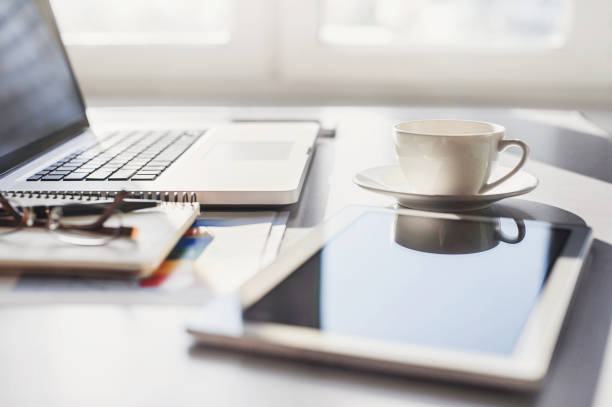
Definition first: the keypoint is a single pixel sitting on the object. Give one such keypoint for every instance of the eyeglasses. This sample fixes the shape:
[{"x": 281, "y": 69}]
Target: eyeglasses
[{"x": 69, "y": 223}]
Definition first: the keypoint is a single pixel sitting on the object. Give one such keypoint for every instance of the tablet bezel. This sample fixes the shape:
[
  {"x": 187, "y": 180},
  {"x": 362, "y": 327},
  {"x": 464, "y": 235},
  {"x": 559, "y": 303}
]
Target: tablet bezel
[{"x": 523, "y": 369}]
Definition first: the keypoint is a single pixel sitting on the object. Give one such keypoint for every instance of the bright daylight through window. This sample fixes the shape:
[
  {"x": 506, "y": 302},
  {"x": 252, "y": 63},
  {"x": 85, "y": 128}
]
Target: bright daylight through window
[
  {"x": 117, "y": 22},
  {"x": 449, "y": 23}
]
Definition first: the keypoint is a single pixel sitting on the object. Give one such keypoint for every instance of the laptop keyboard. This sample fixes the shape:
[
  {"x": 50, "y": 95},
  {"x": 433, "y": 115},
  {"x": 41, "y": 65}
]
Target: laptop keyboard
[{"x": 122, "y": 156}]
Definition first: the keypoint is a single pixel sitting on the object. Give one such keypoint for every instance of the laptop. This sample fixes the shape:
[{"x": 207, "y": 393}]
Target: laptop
[{"x": 47, "y": 146}]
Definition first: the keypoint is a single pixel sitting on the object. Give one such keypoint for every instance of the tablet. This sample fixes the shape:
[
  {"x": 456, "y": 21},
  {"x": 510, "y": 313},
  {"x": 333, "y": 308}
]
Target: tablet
[{"x": 463, "y": 298}]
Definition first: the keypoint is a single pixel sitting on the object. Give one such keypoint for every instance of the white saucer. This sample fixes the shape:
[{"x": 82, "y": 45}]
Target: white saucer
[{"x": 389, "y": 180}]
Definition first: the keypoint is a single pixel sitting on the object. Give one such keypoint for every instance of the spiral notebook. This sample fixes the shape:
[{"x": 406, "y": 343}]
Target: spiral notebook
[{"x": 158, "y": 230}]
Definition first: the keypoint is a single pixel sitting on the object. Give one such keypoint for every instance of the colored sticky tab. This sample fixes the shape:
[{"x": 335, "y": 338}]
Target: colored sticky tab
[{"x": 160, "y": 275}]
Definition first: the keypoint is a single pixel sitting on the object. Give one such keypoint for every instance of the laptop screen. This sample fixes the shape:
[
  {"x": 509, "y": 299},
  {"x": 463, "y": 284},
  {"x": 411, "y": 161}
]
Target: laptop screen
[{"x": 40, "y": 103}]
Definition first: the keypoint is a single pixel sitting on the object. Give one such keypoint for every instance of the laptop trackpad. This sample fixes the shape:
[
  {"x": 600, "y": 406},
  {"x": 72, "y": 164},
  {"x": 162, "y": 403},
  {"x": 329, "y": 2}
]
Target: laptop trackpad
[{"x": 249, "y": 151}]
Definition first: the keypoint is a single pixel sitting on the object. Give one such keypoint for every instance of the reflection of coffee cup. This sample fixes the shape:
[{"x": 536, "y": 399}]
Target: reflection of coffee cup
[
  {"x": 451, "y": 157},
  {"x": 450, "y": 236}
]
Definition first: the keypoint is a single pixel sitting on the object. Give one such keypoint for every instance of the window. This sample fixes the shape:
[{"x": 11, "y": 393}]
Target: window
[
  {"x": 154, "y": 48},
  {"x": 107, "y": 22},
  {"x": 455, "y": 23},
  {"x": 509, "y": 51},
  {"x": 395, "y": 50}
]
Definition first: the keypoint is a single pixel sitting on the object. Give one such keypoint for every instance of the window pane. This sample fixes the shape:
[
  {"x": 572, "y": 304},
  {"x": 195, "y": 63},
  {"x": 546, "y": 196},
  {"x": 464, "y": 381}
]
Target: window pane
[
  {"x": 101, "y": 22},
  {"x": 465, "y": 23}
]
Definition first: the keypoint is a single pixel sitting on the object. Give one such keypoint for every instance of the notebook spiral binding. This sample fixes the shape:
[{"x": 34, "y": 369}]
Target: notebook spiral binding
[{"x": 169, "y": 196}]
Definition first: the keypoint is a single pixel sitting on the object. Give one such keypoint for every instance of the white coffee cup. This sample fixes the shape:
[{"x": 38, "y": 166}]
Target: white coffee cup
[{"x": 451, "y": 157}]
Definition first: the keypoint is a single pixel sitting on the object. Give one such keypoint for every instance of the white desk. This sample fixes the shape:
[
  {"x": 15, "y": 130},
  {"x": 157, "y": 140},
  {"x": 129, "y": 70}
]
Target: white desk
[{"x": 137, "y": 356}]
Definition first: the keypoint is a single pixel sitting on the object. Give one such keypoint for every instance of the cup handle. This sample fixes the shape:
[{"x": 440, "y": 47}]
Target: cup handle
[
  {"x": 520, "y": 226},
  {"x": 501, "y": 146}
]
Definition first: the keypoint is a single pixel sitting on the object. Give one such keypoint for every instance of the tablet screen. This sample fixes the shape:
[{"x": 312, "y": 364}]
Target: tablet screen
[{"x": 455, "y": 284}]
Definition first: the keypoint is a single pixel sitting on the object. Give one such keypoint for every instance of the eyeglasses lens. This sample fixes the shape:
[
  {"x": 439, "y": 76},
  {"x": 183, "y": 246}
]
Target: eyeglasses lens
[{"x": 78, "y": 230}]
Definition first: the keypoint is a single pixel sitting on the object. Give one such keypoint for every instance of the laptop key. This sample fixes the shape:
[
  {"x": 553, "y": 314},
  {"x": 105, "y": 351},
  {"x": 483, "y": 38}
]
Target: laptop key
[
  {"x": 109, "y": 168},
  {"x": 160, "y": 162},
  {"x": 148, "y": 172},
  {"x": 51, "y": 177},
  {"x": 139, "y": 161},
  {"x": 121, "y": 175},
  {"x": 144, "y": 177},
  {"x": 35, "y": 177},
  {"x": 98, "y": 175},
  {"x": 76, "y": 176}
]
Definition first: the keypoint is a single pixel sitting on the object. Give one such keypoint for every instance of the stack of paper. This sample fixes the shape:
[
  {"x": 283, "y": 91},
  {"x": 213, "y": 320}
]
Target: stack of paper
[
  {"x": 157, "y": 231},
  {"x": 219, "y": 252}
]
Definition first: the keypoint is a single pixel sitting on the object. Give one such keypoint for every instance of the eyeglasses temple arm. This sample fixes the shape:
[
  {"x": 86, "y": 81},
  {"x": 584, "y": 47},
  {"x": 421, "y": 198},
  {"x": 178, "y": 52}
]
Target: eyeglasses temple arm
[
  {"x": 9, "y": 208},
  {"x": 110, "y": 209}
]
